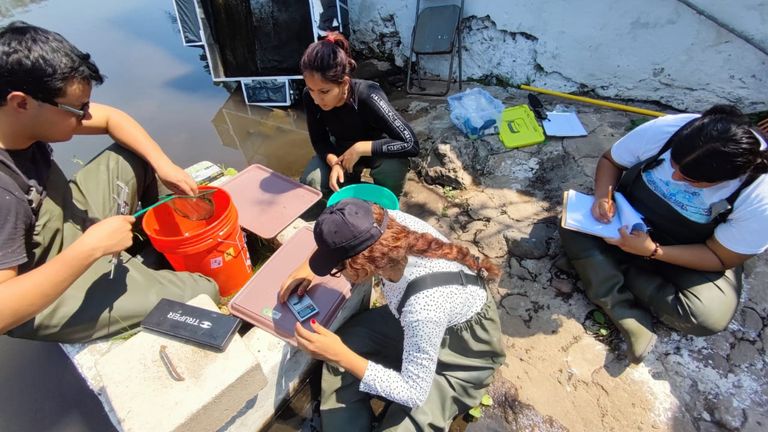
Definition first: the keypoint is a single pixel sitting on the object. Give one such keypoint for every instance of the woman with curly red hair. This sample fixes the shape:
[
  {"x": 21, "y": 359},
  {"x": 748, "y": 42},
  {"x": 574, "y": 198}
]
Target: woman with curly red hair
[{"x": 432, "y": 350}]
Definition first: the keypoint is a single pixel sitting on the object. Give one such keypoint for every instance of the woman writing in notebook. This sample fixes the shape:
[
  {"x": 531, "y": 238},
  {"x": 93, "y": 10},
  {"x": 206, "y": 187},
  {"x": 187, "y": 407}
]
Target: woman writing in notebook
[
  {"x": 351, "y": 123},
  {"x": 699, "y": 181},
  {"x": 432, "y": 349}
]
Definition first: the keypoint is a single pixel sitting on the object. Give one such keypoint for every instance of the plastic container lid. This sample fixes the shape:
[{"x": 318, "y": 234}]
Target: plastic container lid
[
  {"x": 257, "y": 301},
  {"x": 268, "y": 201}
]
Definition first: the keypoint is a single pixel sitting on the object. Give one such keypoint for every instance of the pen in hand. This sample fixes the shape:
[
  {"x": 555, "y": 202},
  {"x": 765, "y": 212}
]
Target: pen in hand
[
  {"x": 610, "y": 199},
  {"x": 610, "y": 207}
]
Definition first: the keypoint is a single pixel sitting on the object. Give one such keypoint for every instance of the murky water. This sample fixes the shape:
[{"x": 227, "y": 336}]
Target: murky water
[{"x": 166, "y": 87}]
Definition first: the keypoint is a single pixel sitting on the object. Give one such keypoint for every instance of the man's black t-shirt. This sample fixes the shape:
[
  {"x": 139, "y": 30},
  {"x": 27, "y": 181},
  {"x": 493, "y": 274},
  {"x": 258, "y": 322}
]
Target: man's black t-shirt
[
  {"x": 366, "y": 115},
  {"x": 17, "y": 221}
]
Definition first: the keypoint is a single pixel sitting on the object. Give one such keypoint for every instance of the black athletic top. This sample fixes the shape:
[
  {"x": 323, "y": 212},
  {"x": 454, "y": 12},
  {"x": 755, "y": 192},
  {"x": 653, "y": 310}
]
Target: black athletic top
[{"x": 366, "y": 115}]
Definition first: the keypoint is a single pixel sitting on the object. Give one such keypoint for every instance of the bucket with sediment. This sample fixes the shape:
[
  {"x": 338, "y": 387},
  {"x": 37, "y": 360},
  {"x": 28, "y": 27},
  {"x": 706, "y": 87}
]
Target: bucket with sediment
[{"x": 214, "y": 247}]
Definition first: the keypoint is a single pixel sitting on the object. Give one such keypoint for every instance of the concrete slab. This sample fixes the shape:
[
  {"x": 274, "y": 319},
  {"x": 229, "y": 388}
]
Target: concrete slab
[
  {"x": 284, "y": 366},
  {"x": 146, "y": 397}
]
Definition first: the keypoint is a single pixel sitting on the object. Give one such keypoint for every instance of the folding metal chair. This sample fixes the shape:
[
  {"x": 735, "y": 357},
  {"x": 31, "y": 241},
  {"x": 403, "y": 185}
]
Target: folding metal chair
[{"x": 436, "y": 32}]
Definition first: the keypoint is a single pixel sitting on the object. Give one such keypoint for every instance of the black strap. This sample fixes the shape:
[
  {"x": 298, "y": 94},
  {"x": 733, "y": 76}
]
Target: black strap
[
  {"x": 434, "y": 280},
  {"x": 722, "y": 213},
  {"x": 654, "y": 161},
  {"x": 34, "y": 198}
]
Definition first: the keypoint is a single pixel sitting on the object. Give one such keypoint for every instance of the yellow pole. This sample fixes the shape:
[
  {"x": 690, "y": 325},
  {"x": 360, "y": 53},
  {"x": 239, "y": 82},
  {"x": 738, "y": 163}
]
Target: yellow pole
[{"x": 594, "y": 101}]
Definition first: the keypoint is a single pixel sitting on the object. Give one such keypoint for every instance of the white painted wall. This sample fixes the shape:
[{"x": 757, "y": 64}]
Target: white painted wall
[{"x": 632, "y": 49}]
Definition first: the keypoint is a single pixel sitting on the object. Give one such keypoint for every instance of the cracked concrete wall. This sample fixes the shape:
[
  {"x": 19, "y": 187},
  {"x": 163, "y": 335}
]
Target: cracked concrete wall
[{"x": 655, "y": 50}]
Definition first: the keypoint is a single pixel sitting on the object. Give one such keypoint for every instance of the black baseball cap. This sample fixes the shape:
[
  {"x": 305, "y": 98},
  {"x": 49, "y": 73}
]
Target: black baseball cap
[{"x": 342, "y": 231}]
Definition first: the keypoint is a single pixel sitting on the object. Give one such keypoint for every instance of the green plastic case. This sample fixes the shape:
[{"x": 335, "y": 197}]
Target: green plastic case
[{"x": 519, "y": 127}]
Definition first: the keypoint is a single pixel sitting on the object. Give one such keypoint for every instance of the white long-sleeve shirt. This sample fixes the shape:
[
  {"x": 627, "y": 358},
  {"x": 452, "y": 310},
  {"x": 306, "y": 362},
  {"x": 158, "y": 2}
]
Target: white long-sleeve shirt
[{"x": 425, "y": 318}]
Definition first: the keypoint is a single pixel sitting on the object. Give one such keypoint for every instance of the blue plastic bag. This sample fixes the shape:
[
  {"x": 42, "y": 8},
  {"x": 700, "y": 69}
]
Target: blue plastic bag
[{"x": 475, "y": 112}]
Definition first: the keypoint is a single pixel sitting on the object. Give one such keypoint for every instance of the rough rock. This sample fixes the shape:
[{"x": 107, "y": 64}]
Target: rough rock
[
  {"x": 443, "y": 167},
  {"x": 729, "y": 414},
  {"x": 756, "y": 285},
  {"x": 564, "y": 286},
  {"x": 531, "y": 244},
  {"x": 481, "y": 206},
  {"x": 490, "y": 241},
  {"x": 743, "y": 353},
  {"x": 764, "y": 339},
  {"x": 750, "y": 323},
  {"x": 757, "y": 421},
  {"x": 705, "y": 426}
]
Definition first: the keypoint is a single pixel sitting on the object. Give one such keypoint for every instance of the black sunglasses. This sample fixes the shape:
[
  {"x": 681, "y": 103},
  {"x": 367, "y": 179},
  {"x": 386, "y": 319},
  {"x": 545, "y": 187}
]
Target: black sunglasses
[
  {"x": 80, "y": 113},
  {"x": 336, "y": 272}
]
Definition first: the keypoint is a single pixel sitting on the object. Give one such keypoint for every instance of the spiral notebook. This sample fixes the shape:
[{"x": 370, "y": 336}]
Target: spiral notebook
[{"x": 577, "y": 216}]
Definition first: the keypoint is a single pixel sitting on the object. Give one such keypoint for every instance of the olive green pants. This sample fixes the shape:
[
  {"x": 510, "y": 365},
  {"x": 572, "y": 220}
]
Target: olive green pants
[
  {"x": 387, "y": 172},
  {"x": 94, "y": 305},
  {"x": 691, "y": 301},
  {"x": 469, "y": 355}
]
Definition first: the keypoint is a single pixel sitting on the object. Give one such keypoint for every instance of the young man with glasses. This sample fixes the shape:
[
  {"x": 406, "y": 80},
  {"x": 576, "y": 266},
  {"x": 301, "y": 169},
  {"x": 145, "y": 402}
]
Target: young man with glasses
[{"x": 58, "y": 235}]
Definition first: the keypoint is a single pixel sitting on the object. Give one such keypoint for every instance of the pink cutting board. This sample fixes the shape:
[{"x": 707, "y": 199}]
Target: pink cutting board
[
  {"x": 268, "y": 201},
  {"x": 257, "y": 302}
]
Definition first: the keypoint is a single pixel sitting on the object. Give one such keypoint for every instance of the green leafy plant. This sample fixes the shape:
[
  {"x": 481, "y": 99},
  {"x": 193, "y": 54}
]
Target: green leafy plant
[
  {"x": 599, "y": 318},
  {"x": 477, "y": 411},
  {"x": 449, "y": 193},
  {"x": 598, "y": 325}
]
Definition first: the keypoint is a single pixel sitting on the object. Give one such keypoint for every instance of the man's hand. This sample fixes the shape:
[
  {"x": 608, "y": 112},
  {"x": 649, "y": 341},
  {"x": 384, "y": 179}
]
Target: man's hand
[
  {"x": 336, "y": 177},
  {"x": 176, "y": 179},
  {"x": 322, "y": 344},
  {"x": 111, "y": 235},
  {"x": 636, "y": 243}
]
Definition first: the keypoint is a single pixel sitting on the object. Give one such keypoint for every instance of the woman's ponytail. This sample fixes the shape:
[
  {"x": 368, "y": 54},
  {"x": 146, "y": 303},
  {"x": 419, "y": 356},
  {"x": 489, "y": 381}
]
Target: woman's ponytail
[
  {"x": 329, "y": 58},
  {"x": 398, "y": 241},
  {"x": 426, "y": 245}
]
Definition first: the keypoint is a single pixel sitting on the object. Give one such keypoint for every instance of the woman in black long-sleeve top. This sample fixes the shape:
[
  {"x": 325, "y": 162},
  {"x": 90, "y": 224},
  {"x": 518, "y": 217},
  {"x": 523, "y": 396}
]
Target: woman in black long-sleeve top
[{"x": 351, "y": 123}]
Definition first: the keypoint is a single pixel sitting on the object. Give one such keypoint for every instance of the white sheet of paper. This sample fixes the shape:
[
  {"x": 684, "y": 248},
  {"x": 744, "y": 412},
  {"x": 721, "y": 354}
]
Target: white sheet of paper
[
  {"x": 578, "y": 216},
  {"x": 628, "y": 215},
  {"x": 563, "y": 124}
]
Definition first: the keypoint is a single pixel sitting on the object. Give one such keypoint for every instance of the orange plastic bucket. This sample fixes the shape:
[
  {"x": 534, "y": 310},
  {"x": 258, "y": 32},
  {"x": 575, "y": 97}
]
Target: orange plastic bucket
[{"x": 214, "y": 247}]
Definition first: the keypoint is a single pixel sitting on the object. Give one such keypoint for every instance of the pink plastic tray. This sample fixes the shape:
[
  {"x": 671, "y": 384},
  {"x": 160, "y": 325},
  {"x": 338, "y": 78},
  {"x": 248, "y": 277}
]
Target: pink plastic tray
[
  {"x": 268, "y": 201},
  {"x": 257, "y": 301}
]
